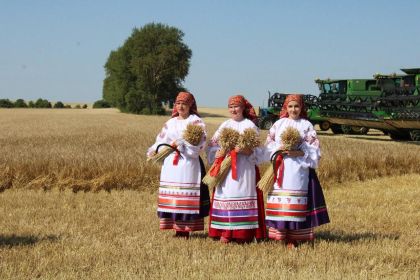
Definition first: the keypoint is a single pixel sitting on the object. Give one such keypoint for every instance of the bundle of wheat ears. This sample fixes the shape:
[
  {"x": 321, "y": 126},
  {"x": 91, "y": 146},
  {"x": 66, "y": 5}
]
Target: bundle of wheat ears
[
  {"x": 291, "y": 140},
  {"x": 192, "y": 134},
  {"x": 228, "y": 140}
]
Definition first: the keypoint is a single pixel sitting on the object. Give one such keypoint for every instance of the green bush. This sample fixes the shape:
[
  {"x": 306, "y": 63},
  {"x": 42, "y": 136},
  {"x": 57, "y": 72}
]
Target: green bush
[
  {"x": 84, "y": 106},
  {"x": 101, "y": 104}
]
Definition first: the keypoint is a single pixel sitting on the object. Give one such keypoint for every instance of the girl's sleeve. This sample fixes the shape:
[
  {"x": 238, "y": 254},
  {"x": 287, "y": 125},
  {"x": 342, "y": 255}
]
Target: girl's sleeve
[
  {"x": 310, "y": 146},
  {"x": 190, "y": 150},
  {"x": 271, "y": 146},
  {"x": 160, "y": 139},
  {"x": 214, "y": 146}
]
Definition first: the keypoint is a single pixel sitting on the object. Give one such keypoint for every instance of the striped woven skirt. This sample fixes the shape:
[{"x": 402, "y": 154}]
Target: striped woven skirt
[
  {"x": 183, "y": 207},
  {"x": 315, "y": 214}
]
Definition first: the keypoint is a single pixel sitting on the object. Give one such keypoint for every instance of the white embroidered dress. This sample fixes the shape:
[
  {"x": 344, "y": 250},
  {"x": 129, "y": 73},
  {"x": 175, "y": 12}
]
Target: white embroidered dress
[
  {"x": 288, "y": 202},
  {"x": 234, "y": 204},
  {"x": 179, "y": 190}
]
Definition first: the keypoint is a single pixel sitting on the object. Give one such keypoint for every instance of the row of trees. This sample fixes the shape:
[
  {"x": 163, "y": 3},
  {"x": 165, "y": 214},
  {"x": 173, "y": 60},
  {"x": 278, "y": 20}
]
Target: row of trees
[
  {"x": 39, "y": 103},
  {"x": 147, "y": 70}
]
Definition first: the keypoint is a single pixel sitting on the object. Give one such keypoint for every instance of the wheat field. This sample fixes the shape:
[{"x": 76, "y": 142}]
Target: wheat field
[{"x": 79, "y": 201}]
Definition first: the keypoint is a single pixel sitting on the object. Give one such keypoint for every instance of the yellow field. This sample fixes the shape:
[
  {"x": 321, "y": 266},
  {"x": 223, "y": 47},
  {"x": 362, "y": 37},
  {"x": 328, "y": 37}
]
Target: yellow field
[{"x": 371, "y": 186}]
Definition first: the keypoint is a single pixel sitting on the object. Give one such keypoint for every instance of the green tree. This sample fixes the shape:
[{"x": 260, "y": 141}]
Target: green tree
[
  {"x": 59, "y": 105},
  {"x": 6, "y": 103},
  {"x": 20, "y": 103},
  {"x": 147, "y": 70},
  {"x": 42, "y": 103}
]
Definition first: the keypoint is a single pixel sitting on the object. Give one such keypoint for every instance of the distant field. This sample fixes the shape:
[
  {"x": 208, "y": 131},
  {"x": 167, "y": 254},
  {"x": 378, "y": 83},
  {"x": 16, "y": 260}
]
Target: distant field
[
  {"x": 57, "y": 221},
  {"x": 94, "y": 149}
]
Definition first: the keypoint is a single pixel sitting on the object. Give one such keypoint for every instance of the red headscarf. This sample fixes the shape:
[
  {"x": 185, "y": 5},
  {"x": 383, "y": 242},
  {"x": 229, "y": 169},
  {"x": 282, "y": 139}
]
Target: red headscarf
[
  {"x": 249, "y": 111},
  {"x": 188, "y": 99},
  {"x": 299, "y": 99}
]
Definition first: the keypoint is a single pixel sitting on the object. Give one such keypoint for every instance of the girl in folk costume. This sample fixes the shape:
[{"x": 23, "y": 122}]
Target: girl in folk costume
[
  {"x": 183, "y": 200},
  {"x": 237, "y": 208},
  {"x": 296, "y": 204}
]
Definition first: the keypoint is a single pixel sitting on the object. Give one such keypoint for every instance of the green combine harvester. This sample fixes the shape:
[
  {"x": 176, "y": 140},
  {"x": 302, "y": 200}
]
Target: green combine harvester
[{"x": 390, "y": 103}]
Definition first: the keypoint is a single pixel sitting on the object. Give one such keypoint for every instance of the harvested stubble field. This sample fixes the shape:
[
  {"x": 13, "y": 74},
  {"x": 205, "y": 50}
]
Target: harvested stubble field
[{"x": 79, "y": 201}]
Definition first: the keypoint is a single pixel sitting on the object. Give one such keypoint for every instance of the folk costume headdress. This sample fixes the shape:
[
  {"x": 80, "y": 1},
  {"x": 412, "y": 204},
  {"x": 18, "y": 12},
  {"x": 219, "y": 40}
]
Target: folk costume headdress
[
  {"x": 188, "y": 99},
  {"x": 249, "y": 111},
  {"x": 299, "y": 99}
]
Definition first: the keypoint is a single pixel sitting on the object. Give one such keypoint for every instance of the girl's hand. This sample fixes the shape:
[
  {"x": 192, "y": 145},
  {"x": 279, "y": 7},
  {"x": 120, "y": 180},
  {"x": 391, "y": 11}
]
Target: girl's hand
[
  {"x": 173, "y": 144},
  {"x": 246, "y": 152},
  {"x": 297, "y": 153}
]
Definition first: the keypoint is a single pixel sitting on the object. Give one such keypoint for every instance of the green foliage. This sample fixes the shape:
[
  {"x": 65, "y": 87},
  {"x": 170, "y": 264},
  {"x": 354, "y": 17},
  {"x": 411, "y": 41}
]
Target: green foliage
[
  {"x": 78, "y": 106},
  {"x": 31, "y": 104},
  {"x": 42, "y": 103},
  {"x": 67, "y": 106},
  {"x": 101, "y": 104},
  {"x": 84, "y": 106},
  {"x": 59, "y": 105},
  {"x": 20, "y": 103},
  {"x": 6, "y": 103},
  {"x": 147, "y": 70}
]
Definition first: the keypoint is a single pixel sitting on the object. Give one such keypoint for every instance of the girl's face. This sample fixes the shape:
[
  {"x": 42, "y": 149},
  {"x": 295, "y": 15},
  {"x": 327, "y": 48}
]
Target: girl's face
[
  {"x": 183, "y": 109},
  {"x": 236, "y": 112},
  {"x": 293, "y": 109}
]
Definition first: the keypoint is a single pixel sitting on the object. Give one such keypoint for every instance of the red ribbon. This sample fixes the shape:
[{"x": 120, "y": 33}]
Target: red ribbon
[
  {"x": 215, "y": 168},
  {"x": 176, "y": 157},
  {"x": 279, "y": 165},
  {"x": 233, "y": 155}
]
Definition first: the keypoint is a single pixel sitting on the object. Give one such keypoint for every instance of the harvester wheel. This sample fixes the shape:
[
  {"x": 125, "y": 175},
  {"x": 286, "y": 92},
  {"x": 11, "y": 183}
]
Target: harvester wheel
[
  {"x": 324, "y": 126},
  {"x": 346, "y": 129},
  {"x": 336, "y": 129},
  {"x": 267, "y": 124},
  {"x": 415, "y": 135},
  {"x": 361, "y": 130},
  {"x": 403, "y": 135}
]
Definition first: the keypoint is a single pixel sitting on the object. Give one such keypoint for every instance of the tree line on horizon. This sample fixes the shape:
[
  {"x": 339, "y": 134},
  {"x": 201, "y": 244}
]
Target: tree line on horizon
[
  {"x": 147, "y": 71},
  {"x": 39, "y": 103}
]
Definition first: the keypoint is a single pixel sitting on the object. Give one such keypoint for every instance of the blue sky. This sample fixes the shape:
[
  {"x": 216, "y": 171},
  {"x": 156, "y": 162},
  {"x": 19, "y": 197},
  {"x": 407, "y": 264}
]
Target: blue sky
[{"x": 56, "y": 49}]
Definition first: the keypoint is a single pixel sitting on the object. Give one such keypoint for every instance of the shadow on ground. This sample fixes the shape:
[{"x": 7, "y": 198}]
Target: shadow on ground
[
  {"x": 24, "y": 240},
  {"x": 343, "y": 237}
]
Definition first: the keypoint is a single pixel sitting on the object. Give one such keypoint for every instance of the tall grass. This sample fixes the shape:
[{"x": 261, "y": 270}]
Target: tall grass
[{"x": 103, "y": 149}]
